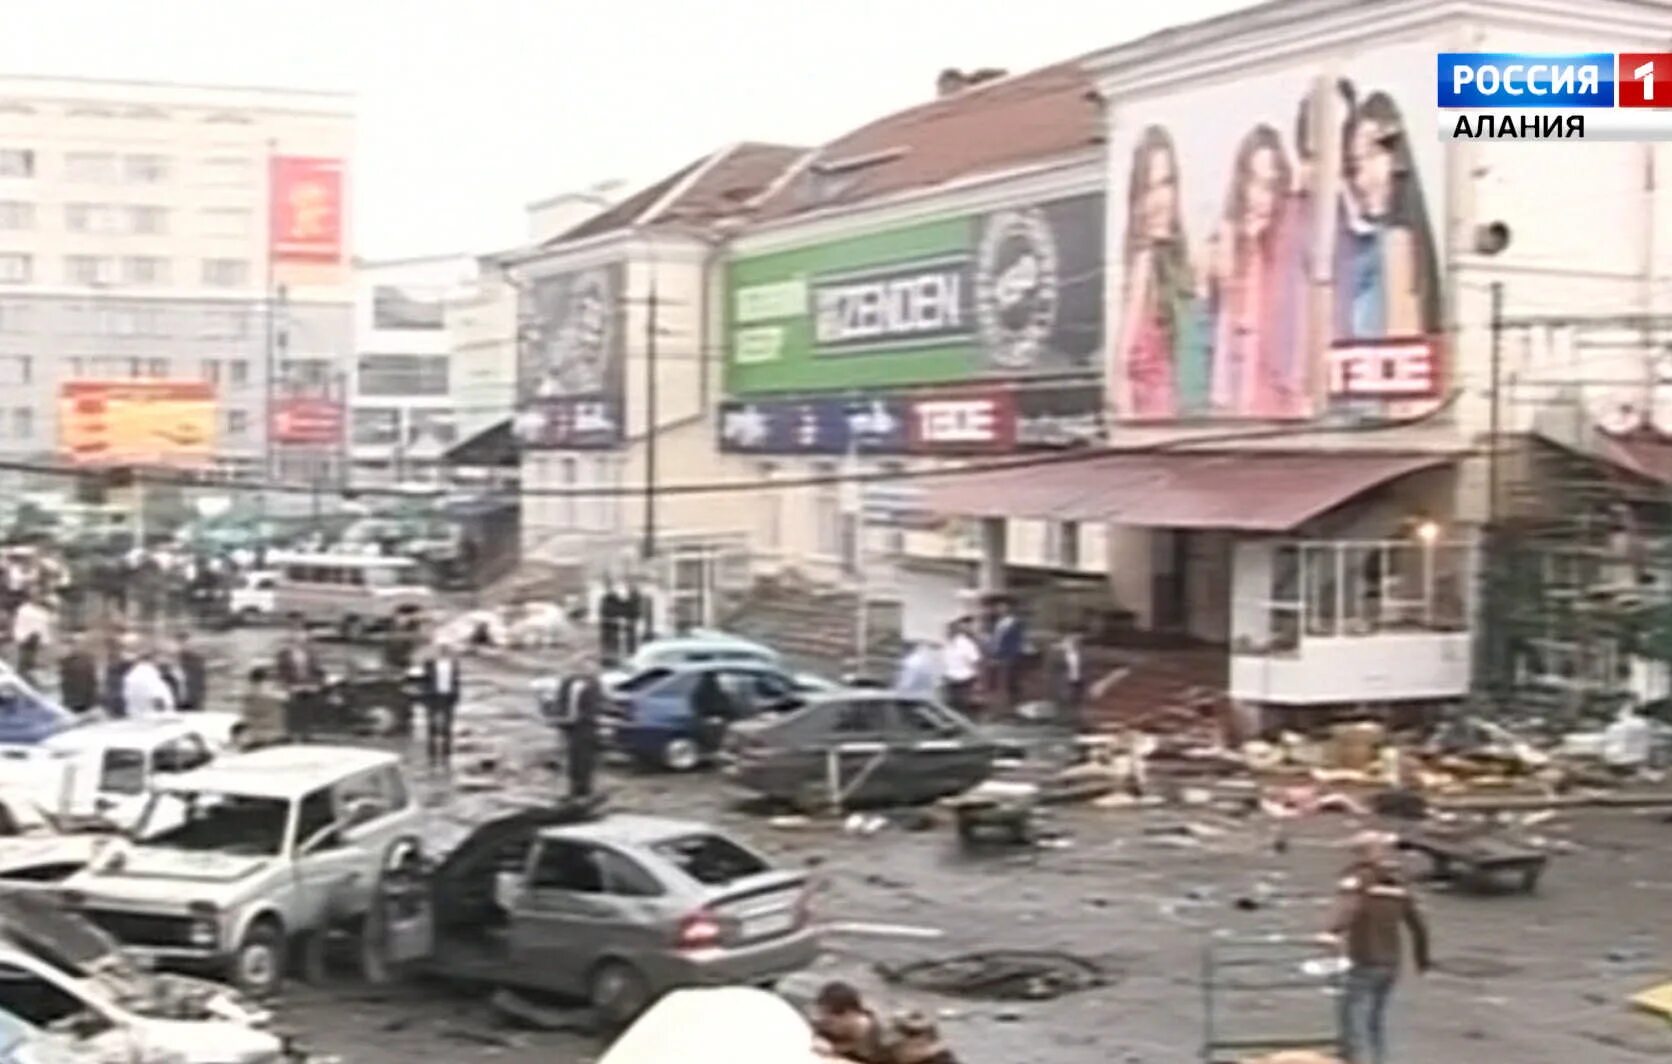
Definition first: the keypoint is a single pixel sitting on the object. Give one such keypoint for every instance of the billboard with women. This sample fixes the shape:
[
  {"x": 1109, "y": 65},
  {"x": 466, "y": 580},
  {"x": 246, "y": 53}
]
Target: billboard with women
[{"x": 1275, "y": 251}]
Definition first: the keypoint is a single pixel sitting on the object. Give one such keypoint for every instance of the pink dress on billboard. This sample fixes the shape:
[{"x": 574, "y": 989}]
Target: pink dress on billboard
[
  {"x": 1242, "y": 363},
  {"x": 1147, "y": 361}
]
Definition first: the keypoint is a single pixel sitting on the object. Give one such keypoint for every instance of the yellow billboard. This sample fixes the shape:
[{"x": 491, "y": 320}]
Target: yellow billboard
[{"x": 142, "y": 422}]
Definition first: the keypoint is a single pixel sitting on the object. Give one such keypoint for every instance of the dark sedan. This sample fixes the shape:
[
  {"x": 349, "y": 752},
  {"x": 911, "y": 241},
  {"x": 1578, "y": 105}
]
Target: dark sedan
[{"x": 870, "y": 747}]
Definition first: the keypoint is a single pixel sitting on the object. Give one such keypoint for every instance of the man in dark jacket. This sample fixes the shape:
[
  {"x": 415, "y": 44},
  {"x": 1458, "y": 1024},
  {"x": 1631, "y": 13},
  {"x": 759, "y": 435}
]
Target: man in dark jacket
[
  {"x": 1374, "y": 910},
  {"x": 123, "y": 657},
  {"x": 441, "y": 683},
  {"x": 580, "y": 703},
  {"x": 193, "y": 673},
  {"x": 78, "y": 678}
]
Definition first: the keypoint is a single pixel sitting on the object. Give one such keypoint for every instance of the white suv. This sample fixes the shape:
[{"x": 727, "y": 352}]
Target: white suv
[{"x": 273, "y": 848}]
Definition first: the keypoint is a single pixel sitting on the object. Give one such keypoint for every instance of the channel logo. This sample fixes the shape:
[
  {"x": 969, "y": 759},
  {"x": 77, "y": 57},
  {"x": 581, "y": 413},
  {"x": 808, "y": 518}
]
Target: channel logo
[{"x": 1581, "y": 95}]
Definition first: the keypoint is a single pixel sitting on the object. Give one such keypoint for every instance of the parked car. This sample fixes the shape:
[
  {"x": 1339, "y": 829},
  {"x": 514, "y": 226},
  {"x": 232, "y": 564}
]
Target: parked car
[
  {"x": 693, "y": 647},
  {"x": 616, "y": 910},
  {"x": 106, "y": 770},
  {"x": 37, "y": 848},
  {"x": 268, "y": 847},
  {"x": 651, "y": 717},
  {"x": 890, "y": 749},
  {"x": 253, "y": 598},
  {"x": 60, "y": 974}
]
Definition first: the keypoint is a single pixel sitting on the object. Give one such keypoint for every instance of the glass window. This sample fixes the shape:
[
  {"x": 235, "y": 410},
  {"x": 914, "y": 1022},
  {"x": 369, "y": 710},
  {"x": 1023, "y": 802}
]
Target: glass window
[
  {"x": 90, "y": 166},
  {"x": 226, "y": 222},
  {"x": 146, "y": 169},
  {"x": 403, "y": 375},
  {"x": 144, "y": 269},
  {"x": 568, "y": 866},
  {"x": 315, "y": 815},
  {"x": 238, "y": 373},
  {"x": 210, "y": 370},
  {"x": 23, "y": 422},
  {"x": 181, "y": 755},
  {"x": 16, "y": 318},
  {"x": 1323, "y": 588},
  {"x": 33, "y": 999},
  {"x": 156, "y": 368},
  {"x": 90, "y": 269},
  {"x": 17, "y": 162},
  {"x": 147, "y": 220},
  {"x": 16, "y": 369},
  {"x": 376, "y": 427},
  {"x": 625, "y": 877},
  {"x": 237, "y": 423},
  {"x": 922, "y": 718},
  {"x": 861, "y": 718},
  {"x": 16, "y": 215},
  {"x": 226, "y": 273},
  {"x": 224, "y": 325},
  {"x": 712, "y": 860},
  {"x": 122, "y": 771},
  {"x": 16, "y": 268},
  {"x": 366, "y": 788}
]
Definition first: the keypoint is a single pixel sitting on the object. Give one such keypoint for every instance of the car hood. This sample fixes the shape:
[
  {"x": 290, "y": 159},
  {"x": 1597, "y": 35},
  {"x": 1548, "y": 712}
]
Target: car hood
[
  {"x": 26, "y": 851},
  {"x": 209, "y": 1041},
  {"x": 148, "y": 871}
]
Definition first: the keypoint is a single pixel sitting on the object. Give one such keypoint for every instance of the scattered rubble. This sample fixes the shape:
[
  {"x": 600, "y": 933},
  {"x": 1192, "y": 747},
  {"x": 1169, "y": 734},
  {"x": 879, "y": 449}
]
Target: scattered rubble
[{"x": 1001, "y": 975}]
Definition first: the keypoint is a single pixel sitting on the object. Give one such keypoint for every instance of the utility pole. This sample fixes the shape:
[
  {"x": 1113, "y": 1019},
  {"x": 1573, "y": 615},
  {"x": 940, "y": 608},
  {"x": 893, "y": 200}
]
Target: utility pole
[{"x": 651, "y": 417}]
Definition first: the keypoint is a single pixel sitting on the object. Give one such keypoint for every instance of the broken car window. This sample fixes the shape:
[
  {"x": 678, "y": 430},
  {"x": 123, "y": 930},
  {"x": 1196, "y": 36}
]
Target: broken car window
[
  {"x": 231, "y": 823},
  {"x": 859, "y": 718},
  {"x": 567, "y": 866},
  {"x": 122, "y": 771},
  {"x": 711, "y": 860}
]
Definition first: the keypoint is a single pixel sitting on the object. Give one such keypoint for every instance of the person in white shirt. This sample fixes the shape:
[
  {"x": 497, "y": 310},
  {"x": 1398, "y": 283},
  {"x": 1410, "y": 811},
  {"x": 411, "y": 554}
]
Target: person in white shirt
[
  {"x": 145, "y": 692},
  {"x": 962, "y": 659},
  {"x": 442, "y": 683},
  {"x": 31, "y": 632}
]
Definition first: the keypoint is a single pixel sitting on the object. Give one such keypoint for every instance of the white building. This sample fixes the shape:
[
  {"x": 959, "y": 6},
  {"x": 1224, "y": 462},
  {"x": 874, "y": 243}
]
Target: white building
[{"x": 134, "y": 244}]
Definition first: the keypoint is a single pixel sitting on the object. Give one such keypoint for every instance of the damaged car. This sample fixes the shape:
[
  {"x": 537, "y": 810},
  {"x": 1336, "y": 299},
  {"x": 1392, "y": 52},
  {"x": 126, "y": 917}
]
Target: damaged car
[
  {"x": 61, "y": 975},
  {"x": 37, "y": 848},
  {"x": 860, "y": 747},
  {"x": 615, "y": 910}
]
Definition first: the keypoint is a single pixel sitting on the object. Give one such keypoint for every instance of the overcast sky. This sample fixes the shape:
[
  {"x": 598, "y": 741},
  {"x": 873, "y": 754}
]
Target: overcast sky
[{"x": 468, "y": 109}]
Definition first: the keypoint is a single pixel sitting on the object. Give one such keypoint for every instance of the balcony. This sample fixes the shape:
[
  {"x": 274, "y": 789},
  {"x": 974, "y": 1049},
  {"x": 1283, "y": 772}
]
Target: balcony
[{"x": 1348, "y": 621}]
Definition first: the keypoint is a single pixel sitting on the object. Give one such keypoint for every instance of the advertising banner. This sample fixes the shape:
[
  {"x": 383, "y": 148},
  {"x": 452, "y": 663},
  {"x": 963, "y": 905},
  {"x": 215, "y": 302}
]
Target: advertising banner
[
  {"x": 307, "y": 422},
  {"x": 305, "y": 214},
  {"x": 142, "y": 422},
  {"x": 954, "y": 422},
  {"x": 1279, "y": 254},
  {"x": 1011, "y": 293},
  {"x": 571, "y": 377}
]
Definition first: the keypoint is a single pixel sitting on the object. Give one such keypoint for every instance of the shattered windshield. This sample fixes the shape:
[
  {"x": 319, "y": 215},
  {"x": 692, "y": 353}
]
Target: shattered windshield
[{"x": 225, "y": 823}]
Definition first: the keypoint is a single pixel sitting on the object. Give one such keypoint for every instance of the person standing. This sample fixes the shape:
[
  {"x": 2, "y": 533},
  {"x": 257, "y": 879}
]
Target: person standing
[
  {"x": 78, "y": 678},
  {"x": 31, "y": 631},
  {"x": 146, "y": 692},
  {"x": 298, "y": 665},
  {"x": 1374, "y": 909},
  {"x": 920, "y": 671},
  {"x": 1068, "y": 681},
  {"x": 439, "y": 690},
  {"x": 124, "y": 655},
  {"x": 712, "y": 709},
  {"x": 1008, "y": 644},
  {"x": 963, "y": 665},
  {"x": 612, "y": 623},
  {"x": 636, "y": 619},
  {"x": 582, "y": 703},
  {"x": 193, "y": 673}
]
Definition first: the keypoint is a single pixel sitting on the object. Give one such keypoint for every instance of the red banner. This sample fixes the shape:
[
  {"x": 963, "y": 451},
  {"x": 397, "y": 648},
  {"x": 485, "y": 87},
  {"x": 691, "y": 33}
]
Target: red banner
[
  {"x": 962, "y": 421},
  {"x": 305, "y": 214},
  {"x": 308, "y": 422}
]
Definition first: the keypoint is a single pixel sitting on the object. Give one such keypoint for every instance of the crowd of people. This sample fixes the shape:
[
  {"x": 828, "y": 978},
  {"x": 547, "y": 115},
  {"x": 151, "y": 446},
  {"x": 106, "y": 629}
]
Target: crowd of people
[{"x": 981, "y": 664}]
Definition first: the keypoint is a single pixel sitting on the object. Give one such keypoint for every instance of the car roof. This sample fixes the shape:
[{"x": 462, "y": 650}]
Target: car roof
[
  {"x": 712, "y": 665},
  {"x": 141, "y": 731},
  {"x": 288, "y": 771},
  {"x": 369, "y": 561},
  {"x": 628, "y": 828}
]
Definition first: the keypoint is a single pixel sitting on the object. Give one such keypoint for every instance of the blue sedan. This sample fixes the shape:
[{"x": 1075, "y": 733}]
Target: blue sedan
[{"x": 652, "y": 717}]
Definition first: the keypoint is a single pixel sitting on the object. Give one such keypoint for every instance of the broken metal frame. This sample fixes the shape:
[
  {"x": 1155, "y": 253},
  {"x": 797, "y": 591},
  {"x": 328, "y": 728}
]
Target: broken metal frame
[
  {"x": 839, "y": 791},
  {"x": 1275, "y": 964}
]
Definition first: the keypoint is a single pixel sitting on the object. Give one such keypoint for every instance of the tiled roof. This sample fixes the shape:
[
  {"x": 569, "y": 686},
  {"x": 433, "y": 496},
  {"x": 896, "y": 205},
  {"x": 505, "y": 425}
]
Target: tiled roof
[
  {"x": 714, "y": 187},
  {"x": 995, "y": 125}
]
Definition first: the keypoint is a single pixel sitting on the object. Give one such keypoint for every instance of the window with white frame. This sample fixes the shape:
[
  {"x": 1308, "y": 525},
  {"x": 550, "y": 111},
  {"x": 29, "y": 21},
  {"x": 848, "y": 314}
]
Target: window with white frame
[
  {"x": 23, "y": 422},
  {"x": 16, "y": 268},
  {"x": 1062, "y": 544},
  {"x": 226, "y": 273},
  {"x": 16, "y": 369},
  {"x": 827, "y": 510},
  {"x": 237, "y": 424},
  {"x": 92, "y": 218},
  {"x": 238, "y": 373},
  {"x": 16, "y": 215},
  {"x": 90, "y": 269},
  {"x": 144, "y": 269},
  {"x": 17, "y": 162},
  {"x": 145, "y": 169},
  {"x": 568, "y": 475},
  {"x": 90, "y": 166},
  {"x": 403, "y": 375},
  {"x": 147, "y": 220}
]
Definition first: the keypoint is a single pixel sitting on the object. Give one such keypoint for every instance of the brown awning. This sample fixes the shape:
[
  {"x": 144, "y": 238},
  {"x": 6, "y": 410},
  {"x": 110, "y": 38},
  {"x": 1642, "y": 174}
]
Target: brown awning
[{"x": 1252, "y": 491}]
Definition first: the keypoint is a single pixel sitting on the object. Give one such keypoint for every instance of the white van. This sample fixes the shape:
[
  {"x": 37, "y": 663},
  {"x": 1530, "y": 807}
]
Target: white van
[{"x": 353, "y": 593}]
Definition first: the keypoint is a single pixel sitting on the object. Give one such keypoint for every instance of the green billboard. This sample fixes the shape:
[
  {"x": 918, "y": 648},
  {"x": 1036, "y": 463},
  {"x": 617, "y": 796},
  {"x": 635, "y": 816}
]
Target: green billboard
[{"x": 1007, "y": 293}]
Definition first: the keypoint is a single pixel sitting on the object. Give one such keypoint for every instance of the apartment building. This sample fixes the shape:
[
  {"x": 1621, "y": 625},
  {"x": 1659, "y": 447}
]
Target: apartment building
[{"x": 145, "y": 229}]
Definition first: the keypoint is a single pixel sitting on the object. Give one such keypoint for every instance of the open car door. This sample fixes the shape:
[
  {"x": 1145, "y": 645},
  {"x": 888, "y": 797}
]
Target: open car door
[{"x": 400, "y": 926}]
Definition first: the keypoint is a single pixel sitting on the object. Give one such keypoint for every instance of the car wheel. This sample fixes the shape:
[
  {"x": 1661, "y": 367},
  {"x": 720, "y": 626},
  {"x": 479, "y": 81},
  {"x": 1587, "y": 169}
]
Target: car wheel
[
  {"x": 618, "y": 993},
  {"x": 258, "y": 966},
  {"x": 681, "y": 755}
]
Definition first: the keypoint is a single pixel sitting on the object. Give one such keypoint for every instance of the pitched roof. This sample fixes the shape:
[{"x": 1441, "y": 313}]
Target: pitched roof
[
  {"x": 716, "y": 186},
  {"x": 991, "y": 126}
]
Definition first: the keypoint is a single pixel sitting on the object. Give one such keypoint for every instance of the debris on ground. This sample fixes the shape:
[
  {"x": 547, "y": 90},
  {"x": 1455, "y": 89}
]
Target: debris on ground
[
  {"x": 1001, "y": 975},
  {"x": 1657, "y": 1000},
  {"x": 514, "y": 1006}
]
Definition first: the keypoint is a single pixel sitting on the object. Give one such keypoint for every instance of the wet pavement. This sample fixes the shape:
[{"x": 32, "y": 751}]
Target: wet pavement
[{"x": 1539, "y": 979}]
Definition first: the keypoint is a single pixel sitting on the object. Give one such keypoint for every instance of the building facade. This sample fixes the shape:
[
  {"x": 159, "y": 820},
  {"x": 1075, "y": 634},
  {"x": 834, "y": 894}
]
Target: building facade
[{"x": 145, "y": 233}]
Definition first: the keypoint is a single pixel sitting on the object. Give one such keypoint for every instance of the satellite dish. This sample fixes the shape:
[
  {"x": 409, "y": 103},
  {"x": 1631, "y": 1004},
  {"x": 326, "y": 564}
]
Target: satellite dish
[{"x": 1619, "y": 411}]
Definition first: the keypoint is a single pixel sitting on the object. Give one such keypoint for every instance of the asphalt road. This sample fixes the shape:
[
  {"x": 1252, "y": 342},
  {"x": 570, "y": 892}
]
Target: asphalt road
[{"x": 1523, "y": 980}]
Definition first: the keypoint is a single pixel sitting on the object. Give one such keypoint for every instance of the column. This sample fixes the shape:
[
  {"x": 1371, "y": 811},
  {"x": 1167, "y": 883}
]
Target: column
[{"x": 995, "y": 550}]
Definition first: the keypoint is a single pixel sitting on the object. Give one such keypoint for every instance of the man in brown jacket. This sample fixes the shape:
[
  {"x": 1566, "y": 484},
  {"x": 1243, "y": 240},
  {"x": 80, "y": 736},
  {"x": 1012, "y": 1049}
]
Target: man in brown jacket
[{"x": 1373, "y": 911}]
